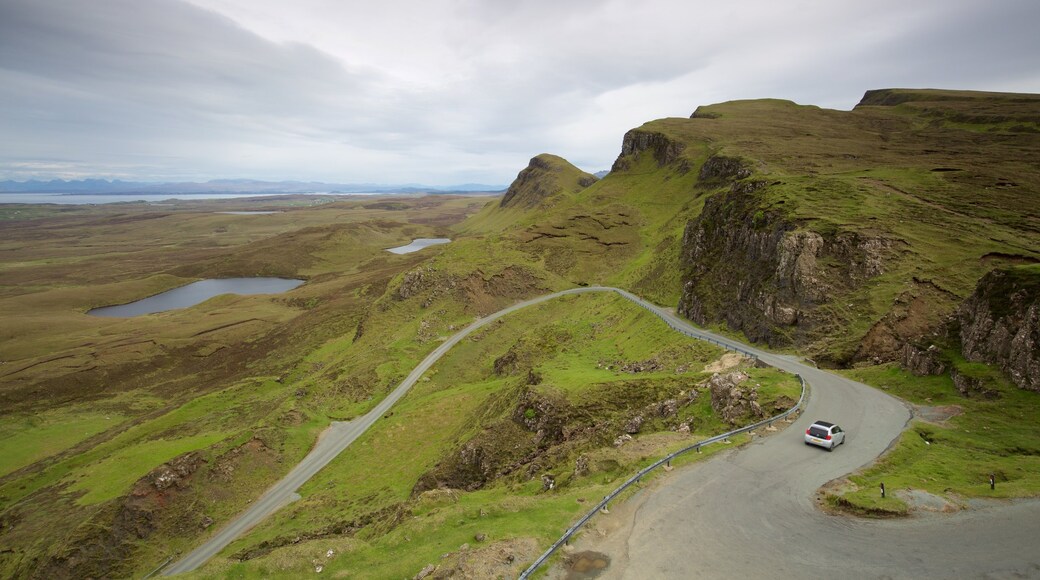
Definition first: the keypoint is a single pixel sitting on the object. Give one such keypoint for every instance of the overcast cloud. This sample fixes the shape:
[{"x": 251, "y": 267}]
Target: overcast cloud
[{"x": 447, "y": 91}]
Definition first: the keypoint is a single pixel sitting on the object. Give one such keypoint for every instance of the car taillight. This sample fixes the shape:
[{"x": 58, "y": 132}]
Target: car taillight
[
  {"x": 807, "y": 432},
  {"x": 828, "y": 438}
]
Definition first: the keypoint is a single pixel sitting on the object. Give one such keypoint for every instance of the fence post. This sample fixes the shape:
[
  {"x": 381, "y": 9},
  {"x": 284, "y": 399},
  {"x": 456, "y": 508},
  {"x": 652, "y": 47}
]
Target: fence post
[{"x": 882, "y": 490}]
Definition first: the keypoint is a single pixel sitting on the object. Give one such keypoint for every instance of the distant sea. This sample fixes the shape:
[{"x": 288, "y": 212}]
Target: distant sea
[{"x": 90, "y": 198}]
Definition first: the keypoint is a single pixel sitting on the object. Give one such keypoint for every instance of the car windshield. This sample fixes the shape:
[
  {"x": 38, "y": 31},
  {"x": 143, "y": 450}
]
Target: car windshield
[{"x": 817, "y": 431}]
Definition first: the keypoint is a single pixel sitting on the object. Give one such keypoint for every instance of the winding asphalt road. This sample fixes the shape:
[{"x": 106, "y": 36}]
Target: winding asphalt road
[{"x": 748, "y": 513}]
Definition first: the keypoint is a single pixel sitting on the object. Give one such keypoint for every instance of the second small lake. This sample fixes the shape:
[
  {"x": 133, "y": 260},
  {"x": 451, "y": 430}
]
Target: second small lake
[
  {"x": 197, "y": 292},
  {"x": 417, "y": 245}
]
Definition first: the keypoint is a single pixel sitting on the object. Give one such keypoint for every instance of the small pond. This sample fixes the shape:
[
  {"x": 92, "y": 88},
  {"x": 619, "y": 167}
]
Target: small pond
[
  {"x": 195, "y": 293},
  {"x": 418, "y": 244}
]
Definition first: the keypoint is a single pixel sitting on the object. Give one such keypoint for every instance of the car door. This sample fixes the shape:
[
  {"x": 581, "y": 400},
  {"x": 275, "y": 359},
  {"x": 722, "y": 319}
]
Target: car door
[{"x": 839, "y": 435}]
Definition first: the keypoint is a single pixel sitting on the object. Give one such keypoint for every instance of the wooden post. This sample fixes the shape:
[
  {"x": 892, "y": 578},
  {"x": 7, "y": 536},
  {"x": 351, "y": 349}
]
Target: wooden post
[
  {"x": 992, "y": 482},
  {"x": 882, "y": 490}
]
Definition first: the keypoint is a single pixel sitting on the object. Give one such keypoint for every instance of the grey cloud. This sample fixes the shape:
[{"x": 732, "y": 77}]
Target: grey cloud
[{"x": 166, "y": 88}]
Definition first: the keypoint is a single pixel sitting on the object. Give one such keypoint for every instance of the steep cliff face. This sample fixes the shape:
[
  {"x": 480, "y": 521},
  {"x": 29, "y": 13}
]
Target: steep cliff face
[
  {"x": 544, "y": 177},
  {"x": 1000, "y": 324},
  {"x": 761, "y": 273},
  {"x": 665, "y": 149}
]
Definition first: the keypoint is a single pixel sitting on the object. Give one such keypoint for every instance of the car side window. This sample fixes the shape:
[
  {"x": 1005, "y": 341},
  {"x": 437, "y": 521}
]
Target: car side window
[{"x": 837, "y": 429}]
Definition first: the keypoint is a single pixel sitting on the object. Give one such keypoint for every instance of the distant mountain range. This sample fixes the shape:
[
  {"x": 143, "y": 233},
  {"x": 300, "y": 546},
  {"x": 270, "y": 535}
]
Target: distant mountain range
[{"x": 97, "y": 186}]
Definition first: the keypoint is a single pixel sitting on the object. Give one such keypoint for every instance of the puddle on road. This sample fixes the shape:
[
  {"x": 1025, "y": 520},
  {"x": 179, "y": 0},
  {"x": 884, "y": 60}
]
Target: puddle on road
[{"x": 586, "y": 565}]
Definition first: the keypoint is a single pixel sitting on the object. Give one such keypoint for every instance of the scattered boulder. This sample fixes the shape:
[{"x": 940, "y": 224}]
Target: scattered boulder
[
  {"x": 634, "y": 425},
  {"x": 581, "y": 465},
  {"x": 922, "y": 361},
  {"x": 730, "y": 401},
  {"x": 622, "y": 439},
  {"x": 426, "y": 571},
  {"x": 548, "y": 482}
]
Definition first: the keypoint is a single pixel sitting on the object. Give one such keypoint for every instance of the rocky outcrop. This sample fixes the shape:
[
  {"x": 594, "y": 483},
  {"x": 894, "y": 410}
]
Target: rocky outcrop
[
  {"x": 102, "y": 548},
  {"x": 917, "y": 317},
  {"x": 718, "y": 167},
  {"x": 732, "y": 402},
  {"x": 970, "y": 386},
  {"x": 544, "y": 177},
  {"x": 762, "y": 274},
  {"x": 664, "y": 149},
  {"x": 922, "y": 361},
  {"x": 1000, "y": 324}
]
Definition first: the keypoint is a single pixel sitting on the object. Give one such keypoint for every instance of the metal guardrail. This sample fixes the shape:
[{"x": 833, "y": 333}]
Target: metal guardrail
[{"x": 665, "y": 460}]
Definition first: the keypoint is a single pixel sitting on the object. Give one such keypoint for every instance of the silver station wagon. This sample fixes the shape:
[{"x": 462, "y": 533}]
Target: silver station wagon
[{"x": 824, "y": 434}]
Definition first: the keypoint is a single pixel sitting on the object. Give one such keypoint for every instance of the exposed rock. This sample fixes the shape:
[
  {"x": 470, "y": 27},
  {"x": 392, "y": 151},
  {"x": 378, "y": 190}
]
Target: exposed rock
[
  {"x": 633, "y": 425},
  {"x": 731, "y": 402},
  {"x": 622, "y": 439},
  {"x": 718, "y": 167},
  {"x": 634, "y": 367},
  {"x": 664, "y": 409},
  {"x": 507, "y": 364},
  {"x": 923, "y": 362},
  {"x": 548, "y": 482},
  {"x": 426, "y": 571},
  {"x": 174, "y": 472},
  {"x": 917, "y": 315},
  {"x": 971, "y": 386},
  {"x": 542, "y": 415},
  {"x": 581, "y": 465},
  {"x": 479, "y": 537},
  {"x": 664, "y": 148},
  {"x": 1000, "y": 324},
  {"x": 206, "y": 522},
  {"x": 758, "y": 272}
]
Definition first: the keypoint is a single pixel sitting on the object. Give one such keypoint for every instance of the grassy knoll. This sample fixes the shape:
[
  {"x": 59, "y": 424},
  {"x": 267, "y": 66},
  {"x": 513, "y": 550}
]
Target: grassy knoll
[
  {"x": 953, "y": 444},
  {"x": 366, "y": 502}
]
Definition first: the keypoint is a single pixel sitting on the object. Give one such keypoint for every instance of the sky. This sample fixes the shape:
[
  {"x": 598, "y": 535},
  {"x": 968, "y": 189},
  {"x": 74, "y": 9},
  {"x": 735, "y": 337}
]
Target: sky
[{"x": 446, "y": 92}]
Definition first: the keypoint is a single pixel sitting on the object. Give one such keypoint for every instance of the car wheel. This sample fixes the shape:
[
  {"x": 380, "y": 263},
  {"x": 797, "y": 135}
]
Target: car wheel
[{"x": 831, "y": 448}]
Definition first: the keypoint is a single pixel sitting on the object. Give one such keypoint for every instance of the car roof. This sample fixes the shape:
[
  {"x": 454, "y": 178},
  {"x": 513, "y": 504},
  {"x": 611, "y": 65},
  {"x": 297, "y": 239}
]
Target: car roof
[{"x": 823, "y": 424}]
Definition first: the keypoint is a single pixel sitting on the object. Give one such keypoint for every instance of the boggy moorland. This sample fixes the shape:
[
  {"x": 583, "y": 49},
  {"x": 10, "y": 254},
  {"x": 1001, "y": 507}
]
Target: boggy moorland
[{"x": 856, "y": 238}]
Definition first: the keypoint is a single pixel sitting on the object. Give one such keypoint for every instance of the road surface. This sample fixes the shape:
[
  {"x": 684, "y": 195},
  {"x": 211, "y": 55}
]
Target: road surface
[{"x": 749, "y": 513}]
